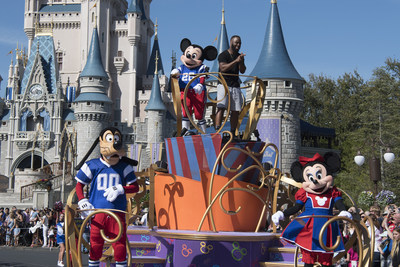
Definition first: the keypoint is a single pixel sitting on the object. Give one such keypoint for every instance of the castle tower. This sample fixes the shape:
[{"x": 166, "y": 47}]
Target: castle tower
[
  {"x": 155, "y": 111},
  {"x": 280, "y": 121},
  {"x": 134, "y": 19},
  {"x": 92, "y": 106},
  {"x": 148, "y": 79}
]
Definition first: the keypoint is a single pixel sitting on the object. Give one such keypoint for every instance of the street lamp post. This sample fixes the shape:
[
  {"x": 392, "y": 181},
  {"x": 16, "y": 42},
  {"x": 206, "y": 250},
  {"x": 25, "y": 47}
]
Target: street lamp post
[{"x": 374, "y": 166}]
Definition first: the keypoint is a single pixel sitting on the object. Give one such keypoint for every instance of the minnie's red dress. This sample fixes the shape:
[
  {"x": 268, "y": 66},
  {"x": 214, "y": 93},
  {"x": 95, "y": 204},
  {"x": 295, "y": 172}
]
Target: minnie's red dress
[{"x": 305, "y": 232}]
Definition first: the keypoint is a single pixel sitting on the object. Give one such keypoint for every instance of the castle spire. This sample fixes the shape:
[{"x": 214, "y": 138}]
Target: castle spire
[
  {"x": 94, "y": 66},
  {"x": 155, "y": 101},
  {"x": 155, "y": 51},
  {"x": 156, "y": 30},
  {"x": 274, "y": 60},
  {"x": 222, "y": 41}
]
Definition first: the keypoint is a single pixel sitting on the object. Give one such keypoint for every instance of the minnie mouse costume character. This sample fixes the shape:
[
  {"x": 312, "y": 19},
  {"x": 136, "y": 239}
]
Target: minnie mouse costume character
[
  {"x": 110, "y": 177},
  {"x": 318, "y": 196},
  {"x": 192, "y": 59}
]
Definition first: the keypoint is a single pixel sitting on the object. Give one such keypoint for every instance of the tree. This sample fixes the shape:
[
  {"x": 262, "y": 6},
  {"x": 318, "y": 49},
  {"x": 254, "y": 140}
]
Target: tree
[{"x": 363, "y": 114}]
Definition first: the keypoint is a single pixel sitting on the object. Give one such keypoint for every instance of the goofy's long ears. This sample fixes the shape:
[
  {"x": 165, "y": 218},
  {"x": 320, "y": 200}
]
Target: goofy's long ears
[{"x": 96, "y": 141}]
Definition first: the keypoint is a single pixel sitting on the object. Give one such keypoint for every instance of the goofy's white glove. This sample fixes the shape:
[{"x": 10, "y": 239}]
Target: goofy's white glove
[
  {"x": 276, "y": 217},
  {"x": 198, "y": 88},
  {"x": 85, "y": 205},
  {"x": 113, "y": 192},
  {"x": 347, "y": 214}
]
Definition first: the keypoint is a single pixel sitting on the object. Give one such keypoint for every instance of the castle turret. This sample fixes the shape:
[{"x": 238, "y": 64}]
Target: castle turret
[
  {"x": 134, "y": 17},
  {"x": 92, "y": 106},
  {"x": 155, "y": 111},
  {"x": 31, "y": 17},
  {"x": 284, "y": 90}
]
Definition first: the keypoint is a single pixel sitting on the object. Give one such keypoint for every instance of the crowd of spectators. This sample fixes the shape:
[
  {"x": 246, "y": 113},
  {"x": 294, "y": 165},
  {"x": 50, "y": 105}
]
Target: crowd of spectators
[
  {"x": 28, "y": 227},
  {"x": 386, "y": 224}
]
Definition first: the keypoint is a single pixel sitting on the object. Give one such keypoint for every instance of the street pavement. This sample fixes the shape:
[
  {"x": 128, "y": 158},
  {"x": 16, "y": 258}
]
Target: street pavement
[{"x": 32, "y": 257}]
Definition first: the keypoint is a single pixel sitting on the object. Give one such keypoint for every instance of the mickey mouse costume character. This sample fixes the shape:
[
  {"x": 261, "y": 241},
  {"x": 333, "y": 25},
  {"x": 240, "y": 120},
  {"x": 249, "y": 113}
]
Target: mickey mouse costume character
[
  {"x": 110, "y": 177},
  {"x": 192, "y": 59},
  {"x": 318, "y": 196}
]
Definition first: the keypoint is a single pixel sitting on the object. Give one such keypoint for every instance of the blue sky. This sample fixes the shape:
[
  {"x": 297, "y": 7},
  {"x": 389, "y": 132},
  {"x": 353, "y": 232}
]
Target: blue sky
[{"x": 329, "y": 37}]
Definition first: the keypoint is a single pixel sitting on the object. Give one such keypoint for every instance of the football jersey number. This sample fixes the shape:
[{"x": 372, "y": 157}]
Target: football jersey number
[
  {"x": 105, "y": 180},
  {"x": 186, "y": 77}
]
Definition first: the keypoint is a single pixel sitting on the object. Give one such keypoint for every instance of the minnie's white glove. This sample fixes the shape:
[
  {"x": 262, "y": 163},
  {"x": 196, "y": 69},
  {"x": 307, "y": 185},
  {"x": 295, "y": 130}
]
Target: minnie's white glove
[
  {"x": 113, "y": 192},
  {"x": 84, "y": 204},
  {"x": 347, "y": 214},
  {"x": 198, "y": 88},
  {"x": 276, "y": 217}
]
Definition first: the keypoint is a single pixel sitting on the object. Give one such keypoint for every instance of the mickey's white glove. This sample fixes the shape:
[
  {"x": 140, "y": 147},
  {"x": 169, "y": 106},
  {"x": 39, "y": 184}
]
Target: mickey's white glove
[
  {"x": 276, "y": 217},
  {"x": 198, "y": 88},
  {"x": 113, "y": 192},
  {"x": 84, "y": 204},
  {"x": 347, "y": 214},
  {"x": 175, "y": 72}
]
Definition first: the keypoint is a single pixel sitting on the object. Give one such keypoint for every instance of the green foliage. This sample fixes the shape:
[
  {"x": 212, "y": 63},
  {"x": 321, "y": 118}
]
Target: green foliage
[
  {"x": 366, "y": 118},
  {"x": 366, "y": 199}
]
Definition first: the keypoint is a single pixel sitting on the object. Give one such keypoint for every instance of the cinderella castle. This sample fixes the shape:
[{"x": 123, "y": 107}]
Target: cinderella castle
[{"x": 92, "y": 64}]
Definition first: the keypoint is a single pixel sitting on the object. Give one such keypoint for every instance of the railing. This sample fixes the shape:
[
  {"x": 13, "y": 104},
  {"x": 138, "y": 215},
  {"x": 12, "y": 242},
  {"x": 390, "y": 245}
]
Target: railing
[{"x": 51, "y": 169}]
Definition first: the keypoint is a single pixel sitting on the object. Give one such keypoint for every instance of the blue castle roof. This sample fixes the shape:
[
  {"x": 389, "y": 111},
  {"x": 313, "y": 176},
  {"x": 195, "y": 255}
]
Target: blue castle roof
[
  {"x": 94, "y": 66},
  {"x": 68, "y": 115},
  {"x": 152, "y": 66},
  {"x": 223, "y": 44},
  {"x": 141, "y": 6},
  {"x": 274, "y": 60},
  {"x": 47, "y": 56},
  {"x": 93, "y": 97},
  {"x": 56, "y": 8},
  {"x": 134, "y": 7},
  {"x": 155, "y": 101}
]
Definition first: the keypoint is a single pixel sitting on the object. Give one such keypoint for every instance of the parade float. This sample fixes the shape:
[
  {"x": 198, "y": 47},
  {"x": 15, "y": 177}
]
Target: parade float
[{"x": 212, "y": 205}]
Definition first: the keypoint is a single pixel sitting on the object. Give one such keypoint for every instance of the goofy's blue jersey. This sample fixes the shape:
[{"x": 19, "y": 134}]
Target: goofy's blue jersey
[
  {"x": 188, "y": 74},
  {"x": 101, "y": 176}
]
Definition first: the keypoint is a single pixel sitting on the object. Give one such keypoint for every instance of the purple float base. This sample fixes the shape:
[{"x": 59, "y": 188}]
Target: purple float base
[{"x": 194, "y": 249}]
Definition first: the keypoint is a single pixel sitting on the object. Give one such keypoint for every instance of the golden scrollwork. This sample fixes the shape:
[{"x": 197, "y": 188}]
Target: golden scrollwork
[
  {"x": 266, "y": 178},
  {"x": 73, "y": 234},
  {"x": 253, "y": 108}
]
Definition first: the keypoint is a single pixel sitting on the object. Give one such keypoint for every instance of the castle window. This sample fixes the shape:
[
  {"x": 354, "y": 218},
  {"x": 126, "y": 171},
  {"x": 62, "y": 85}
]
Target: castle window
[
  {"x": 102, "y": 104},
  {"x": 69, "y": 123},
  {"x": 102, "y": 37},
  {"x": 90, "y": 78},
  {"x": 4, "y": 123},
  {"x": 87, "y": 103},
  {"x": 92, "y": 17},
  {"x": 288, "y": 84},
  {"x": 59, "y": 56},
  {"x": 266, "y": 84},
  {"x": 119, "y": 53}
]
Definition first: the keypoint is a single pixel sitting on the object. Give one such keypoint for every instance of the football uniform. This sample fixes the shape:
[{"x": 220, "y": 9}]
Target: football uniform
[
  {"x": 195, "y": 102},
  {"x": 100, "y": 175}
]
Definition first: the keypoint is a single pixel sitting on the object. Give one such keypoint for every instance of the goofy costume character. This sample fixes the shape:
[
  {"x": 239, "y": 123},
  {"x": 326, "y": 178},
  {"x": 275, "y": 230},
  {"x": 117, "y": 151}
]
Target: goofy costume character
[
  {"x": 110, "y": 177},
  {"x": 317, "y": 196}
]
